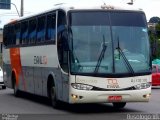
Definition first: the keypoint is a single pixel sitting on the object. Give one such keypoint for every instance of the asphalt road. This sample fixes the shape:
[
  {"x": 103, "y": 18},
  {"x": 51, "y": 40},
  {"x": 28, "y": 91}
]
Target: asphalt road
[{"x": 28, "y": 107}]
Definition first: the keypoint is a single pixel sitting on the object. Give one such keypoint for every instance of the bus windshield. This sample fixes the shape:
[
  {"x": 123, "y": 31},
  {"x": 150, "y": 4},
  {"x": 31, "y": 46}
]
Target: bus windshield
[{"x": 114, "y": 42}]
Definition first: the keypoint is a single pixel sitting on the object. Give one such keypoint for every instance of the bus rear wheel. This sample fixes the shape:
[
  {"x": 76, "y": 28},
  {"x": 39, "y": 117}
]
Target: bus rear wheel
[
  {"x": 53, "y": 96},
  {"x": 119, "y": 105},
  {"x": 16, "y": 91}
]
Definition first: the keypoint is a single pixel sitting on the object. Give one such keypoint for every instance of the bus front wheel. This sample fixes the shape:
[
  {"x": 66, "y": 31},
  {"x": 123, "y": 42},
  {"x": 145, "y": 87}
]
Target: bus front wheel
[
  {"x": 119, "y": 105},
  {"x": 54, "y": 101}
]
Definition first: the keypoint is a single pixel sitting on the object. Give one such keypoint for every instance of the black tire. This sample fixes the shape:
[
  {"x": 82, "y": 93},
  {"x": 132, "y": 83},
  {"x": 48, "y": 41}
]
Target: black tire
[
  {"x": 119, "y": 105},
  {"x": 16, "y": 91},
  {"x": 3, "y": 87},
  {"x": 53, "y": 97}
]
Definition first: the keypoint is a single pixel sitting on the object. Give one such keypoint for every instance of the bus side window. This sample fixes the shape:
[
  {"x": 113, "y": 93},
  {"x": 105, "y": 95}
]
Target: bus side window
[
  {"x": 32, "y": 30},
  {"x": 50, "y": 32},
  {"x": 24, "y": 32},
  {"x": 17, "y": 35},
  {"x": 5, "y": 36},
  {"x": 11, "y": 33},
  {"x": 62, "y": 44},
  {"x": 41, "y": 29}
]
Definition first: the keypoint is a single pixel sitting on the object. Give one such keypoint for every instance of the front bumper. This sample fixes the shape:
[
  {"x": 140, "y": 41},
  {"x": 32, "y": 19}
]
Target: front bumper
[{"x": 84, "y": 96}]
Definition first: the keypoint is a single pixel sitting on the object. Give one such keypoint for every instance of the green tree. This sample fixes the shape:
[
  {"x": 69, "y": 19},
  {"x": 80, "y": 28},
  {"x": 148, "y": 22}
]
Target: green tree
[
  {"x": 154, "y": 19},
  {"x": 152, "y": 38},
  {"x": 156, "y": 36},
  {"x": 158, "y": 30}
]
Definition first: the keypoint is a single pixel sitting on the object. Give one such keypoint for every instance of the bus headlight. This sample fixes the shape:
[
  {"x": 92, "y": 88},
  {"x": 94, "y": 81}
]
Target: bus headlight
[
  {"x": 142, "y": 86},
  {"x": 80, "y": 86}
]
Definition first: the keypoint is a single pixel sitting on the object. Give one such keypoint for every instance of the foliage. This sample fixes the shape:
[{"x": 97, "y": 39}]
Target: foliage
[
  {"x": 154, "y": 20},
  {"x": 158, "y": 30},
  {"x": 155, "y": 41}
]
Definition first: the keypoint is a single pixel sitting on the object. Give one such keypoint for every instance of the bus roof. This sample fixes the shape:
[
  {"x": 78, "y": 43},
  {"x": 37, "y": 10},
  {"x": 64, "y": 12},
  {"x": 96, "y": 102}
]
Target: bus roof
[{"x": 82, "y": 6}]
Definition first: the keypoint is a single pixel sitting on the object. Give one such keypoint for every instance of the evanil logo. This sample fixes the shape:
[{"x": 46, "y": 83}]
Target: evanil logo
[
  {"x": 40, "y": 60},
  {"x": 112, "y": 83}
]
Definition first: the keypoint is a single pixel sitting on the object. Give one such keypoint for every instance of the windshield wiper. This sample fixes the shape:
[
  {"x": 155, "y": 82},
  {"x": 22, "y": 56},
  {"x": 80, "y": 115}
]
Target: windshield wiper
[
  {"x": 104, "y": 47},
  {"x": 124, "y": 57}
]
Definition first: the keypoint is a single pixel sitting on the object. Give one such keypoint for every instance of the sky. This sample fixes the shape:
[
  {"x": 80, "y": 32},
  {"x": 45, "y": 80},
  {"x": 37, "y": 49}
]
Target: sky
[{"x": 150, "y": 7}]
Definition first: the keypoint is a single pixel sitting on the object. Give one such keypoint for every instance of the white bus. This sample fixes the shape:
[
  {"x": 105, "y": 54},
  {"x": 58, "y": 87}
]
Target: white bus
[{"x": 76, "y": 54}]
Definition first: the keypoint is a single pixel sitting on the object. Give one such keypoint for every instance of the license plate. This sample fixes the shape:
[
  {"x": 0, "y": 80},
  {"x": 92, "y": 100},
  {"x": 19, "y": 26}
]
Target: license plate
[{"x": 115, "y": 98}]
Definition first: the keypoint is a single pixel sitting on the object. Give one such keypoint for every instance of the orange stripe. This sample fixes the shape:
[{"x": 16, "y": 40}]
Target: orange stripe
[
  {"x": 16, "y": 64},
  {"x": 12, "y": 21}
]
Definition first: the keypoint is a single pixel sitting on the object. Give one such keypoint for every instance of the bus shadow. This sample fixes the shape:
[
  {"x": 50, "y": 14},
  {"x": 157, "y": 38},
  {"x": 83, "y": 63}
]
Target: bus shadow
[
  {"x": 77, "y": 108},
  {"x": 94, "y": 108},
  {"x": 33, "y": 98}
]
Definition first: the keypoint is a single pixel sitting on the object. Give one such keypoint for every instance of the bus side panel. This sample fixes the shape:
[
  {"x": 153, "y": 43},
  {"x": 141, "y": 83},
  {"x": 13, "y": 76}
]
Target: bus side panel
[
  {"x": 38, "y": 84},
  {"x": 37, "y": 63},
  {"x": 56, "y": 74},
  {"x": 27, "y": 79},
  {"x": 21, "y": 80},
  {"x": 7, "y": 71},
  {"x": 45, "y": 72}
]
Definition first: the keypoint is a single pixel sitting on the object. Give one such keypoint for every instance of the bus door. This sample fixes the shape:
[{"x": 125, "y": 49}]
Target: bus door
[
  {"x": 63, "y": 60},
  {"x": 62, "y": 49}
]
